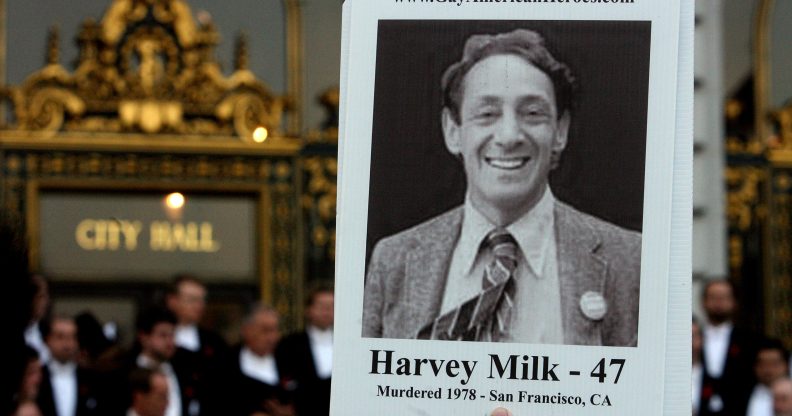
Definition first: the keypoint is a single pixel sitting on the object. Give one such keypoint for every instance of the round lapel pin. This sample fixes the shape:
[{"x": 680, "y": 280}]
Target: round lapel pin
[{"x": 593, "y": 305}]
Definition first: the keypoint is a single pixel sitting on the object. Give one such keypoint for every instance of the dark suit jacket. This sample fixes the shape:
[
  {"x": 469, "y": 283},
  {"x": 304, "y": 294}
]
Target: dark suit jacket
[
  {"x": 734, "y": 386},
  {"x": 245, "y": 395},
  {"x": 407, "y": 275},
  {"x": 213, "y": 346},
  {"x": 313, "y": 393},
  {"x": 88, "y": 394},
  {"x": 188, "y": 373},
  {"x": 206, "y": 367},
  {"x": 185, "y": 368}
]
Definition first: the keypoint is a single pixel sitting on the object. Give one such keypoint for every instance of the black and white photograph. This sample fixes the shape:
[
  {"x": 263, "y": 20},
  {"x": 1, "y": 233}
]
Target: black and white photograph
[
  {"x": 506, "y": 193},
  {"x": 514, "y": 199}
]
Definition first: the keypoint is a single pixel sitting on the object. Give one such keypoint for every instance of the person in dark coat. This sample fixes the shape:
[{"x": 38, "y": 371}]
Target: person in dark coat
[
  {"x": 308, "y": 354},
  {"x": 728, "y": 354},
  {"x": 16, "y": 303},
  {"x": 257, "y": 383},
  {"x": 66, "y": 389},
  {"x": 148, "y": 393},
  {"x": 186, "y": 298},
  {"x": 156, "y": 350}
]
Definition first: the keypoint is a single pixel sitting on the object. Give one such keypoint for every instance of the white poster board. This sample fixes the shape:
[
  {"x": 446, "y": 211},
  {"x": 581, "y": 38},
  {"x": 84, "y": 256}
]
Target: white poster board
[{"x": 566, "y": 124}]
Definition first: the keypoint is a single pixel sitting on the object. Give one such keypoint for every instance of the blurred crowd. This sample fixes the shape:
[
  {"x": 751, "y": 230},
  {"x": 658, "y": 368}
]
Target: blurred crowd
[
  {"x": 62, "y": 365},
  {"x": 58, "y": 365},
  {"x": 736, "y": 372}
]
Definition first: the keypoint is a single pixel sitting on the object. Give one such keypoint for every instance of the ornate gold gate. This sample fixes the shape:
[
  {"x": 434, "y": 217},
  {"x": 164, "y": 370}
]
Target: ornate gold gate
[{"x": 148, "y": 110}]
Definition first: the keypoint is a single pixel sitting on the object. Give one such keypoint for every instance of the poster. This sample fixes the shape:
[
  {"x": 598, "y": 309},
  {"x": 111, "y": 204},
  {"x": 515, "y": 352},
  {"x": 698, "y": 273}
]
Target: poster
[{"x": 507, "y": 233}]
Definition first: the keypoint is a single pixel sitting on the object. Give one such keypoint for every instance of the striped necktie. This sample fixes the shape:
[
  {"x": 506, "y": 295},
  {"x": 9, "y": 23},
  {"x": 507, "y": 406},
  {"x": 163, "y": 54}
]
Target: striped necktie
[{"x": 485, "y": 316}]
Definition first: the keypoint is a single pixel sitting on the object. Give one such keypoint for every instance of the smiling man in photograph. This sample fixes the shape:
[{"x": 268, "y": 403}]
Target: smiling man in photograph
[{"x": 512, "y": 263}]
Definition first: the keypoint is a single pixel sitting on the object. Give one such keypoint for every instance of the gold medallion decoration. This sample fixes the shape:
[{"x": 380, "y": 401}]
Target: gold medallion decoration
[{"x": 147, "y": 68}]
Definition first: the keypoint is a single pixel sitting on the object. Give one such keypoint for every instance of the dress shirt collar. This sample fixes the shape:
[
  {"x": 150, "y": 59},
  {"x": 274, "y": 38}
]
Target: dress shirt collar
[
  {"x": 262, "y": 368},
  {"x": 33, "y": 333},
  {"x": 34, "y": 340},
  {"x": 145, "y": 361},
  {"x": 716, "y": 347},
  {"x": 321, "y": 343},
  {"x": 186, "y": 336},
  {"x": 320, "y": 336},
  {"x": 56, "y": 367},
  {"x": 721, "y": 330},
  {"x": 763, "y": 391},
  {"x": 533, "y": 232},
  {"x": 63, "y": 379},
  {"x": 760, "y": 402}
]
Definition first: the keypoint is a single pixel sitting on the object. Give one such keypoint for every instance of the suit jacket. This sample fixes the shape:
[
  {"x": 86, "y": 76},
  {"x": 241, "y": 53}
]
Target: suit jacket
[
  {"x": 244, "y": 395},
  {"x": 407, "y": 275},
  {"x": 213, "y": 346},
  {"x": 187, "y": 372},
  {"x": 88, "y": 396},
  {"x": 206, "y": 367},
  {"x": 184, "y": 367},
  {"x": 312, "y": 393},
  {"x": 733, "y": 388}
]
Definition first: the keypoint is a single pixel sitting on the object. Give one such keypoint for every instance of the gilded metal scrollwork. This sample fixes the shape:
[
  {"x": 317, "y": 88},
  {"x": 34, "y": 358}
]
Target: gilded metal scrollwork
[
  {"x": 777, "y": 287},
  {"x": 744, "y": 209},
  {"x": 147, "y": 67},
  {"x": 320, "y": 164},
  {"x": 329, "y": 99},
  {"x": 783, "y": 120},
  {"x": 774, "y": 128},
  {"x": 148, "y": 107},
  {"x": 320, "y": 202},
  {"x": 744, "y": 191}
]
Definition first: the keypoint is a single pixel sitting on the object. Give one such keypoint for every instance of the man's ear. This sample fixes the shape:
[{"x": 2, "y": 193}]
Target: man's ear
[
  {"x": 142, "y": 337},
  {"x": 170, "y": 301},
  {"x": 451, "y": 133},
  {"x": 560, "y": 139}
]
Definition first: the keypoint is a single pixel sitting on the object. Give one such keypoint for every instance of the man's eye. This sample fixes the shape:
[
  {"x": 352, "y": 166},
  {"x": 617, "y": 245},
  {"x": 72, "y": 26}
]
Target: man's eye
[
  {"x": 535, "y": 113},
  {"x": 485, "y": 114}
]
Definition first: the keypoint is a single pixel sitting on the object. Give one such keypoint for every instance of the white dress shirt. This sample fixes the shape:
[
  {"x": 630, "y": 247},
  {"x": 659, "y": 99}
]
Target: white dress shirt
[
  {"x": 321, "y": 342},
  {"x": 263, "y": 369},
  {"x": 63, "y": 378},
  {"x": 174, "y": 392},
  {"x": 537, "y": 302},
  {"x": 761, "y": 402},
  {"x": 34, "y": 340},
  {"x": 716, "y": 347},
  {"x": 186, "y": 336}
]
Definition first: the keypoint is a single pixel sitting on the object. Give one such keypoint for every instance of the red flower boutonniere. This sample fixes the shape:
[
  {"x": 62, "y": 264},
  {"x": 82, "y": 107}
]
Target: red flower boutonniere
[
  {"x": 706, "y": 392},
  {"x": 734, "y": 351},
  {"x": 288, "y": 384}
]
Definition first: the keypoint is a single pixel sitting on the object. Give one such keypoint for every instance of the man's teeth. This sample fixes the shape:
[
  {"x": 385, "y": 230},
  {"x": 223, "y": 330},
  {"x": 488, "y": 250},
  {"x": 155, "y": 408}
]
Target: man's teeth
[{"x": 507, "y": 163}]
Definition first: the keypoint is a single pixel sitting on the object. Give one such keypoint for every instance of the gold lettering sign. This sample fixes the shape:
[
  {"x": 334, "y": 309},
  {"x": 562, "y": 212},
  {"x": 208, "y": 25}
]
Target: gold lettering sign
[
  {"x": 188, "y": 237},
  {"x": 113, "y": 235},
  {"x": 107, "y": 234}
]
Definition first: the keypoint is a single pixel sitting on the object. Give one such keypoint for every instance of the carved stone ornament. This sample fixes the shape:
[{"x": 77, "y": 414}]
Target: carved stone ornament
[{"x": 147, "y": 67}]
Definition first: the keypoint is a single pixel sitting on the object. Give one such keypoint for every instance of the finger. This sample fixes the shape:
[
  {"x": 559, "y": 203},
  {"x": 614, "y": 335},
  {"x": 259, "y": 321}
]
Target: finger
[{"x": 501, "y": 411}]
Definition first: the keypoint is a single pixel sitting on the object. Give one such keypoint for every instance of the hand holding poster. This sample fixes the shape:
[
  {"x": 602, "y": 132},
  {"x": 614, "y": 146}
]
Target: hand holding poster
[{"x": 517, "y": 182}]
